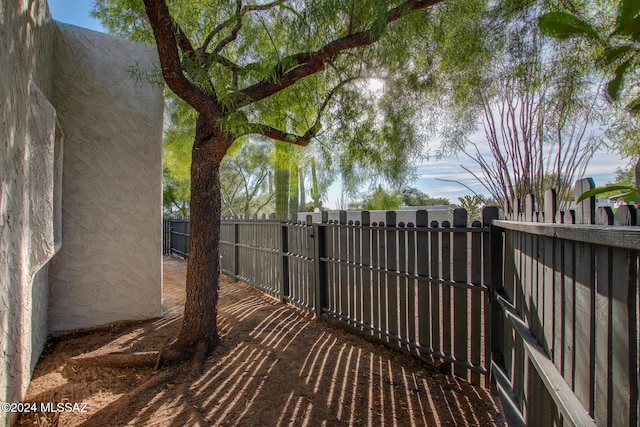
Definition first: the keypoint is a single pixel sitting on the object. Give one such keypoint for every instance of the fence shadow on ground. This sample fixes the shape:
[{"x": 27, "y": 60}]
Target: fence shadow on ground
[{"x": 276, "y": 366}]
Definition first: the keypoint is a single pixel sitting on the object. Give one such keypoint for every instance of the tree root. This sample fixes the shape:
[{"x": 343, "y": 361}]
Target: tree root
[{"x": 149, "y": 359}]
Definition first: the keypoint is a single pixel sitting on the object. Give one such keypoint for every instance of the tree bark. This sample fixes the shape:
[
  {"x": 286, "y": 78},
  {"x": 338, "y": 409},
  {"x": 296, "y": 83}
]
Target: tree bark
[
  {"x": 294, "y": 191},
  {"x": 302, "y": 203},
  {"x": 203, "y": 268}
]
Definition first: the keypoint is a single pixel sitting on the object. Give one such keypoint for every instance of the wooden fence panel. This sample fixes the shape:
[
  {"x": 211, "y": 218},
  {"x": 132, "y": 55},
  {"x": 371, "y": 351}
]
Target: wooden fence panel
[
  {"x": 571, "y": 301},
  {"x": 584, "y": 324},
  {"x": 624, "y": 326},
  {"x": 603, "y": 335}
]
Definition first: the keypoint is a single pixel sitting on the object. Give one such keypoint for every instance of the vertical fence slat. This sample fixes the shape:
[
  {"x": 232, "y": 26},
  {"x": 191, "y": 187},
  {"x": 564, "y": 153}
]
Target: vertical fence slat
[
  {"x": 375, "y": 275},
  {"x": 602, "y": 336},
  {"x": 477, "y": 297},
  {"x": 568, "y": 300},
  {"x": 356, "y": 259},
  {"x": 436, "y": 311},
  {"x": 546, "y": 269},
  {"x": 284, "y": 265},
  {"x": 366, "y": 268},
  {"x": 343, "y": 291},
  {"x": 234, "y": 267},
  {"x": 391, "y": 281},
  {"x": 460, "y": 295},
  {"x": 584, "y": 325},
  {"x": 320, "y": 285},
  {"x": 349, "y": 257},
  {"x": 403, "y": 324},
  {"x": 333, "y": 253},
  {"x": 422, "y": 267},
  {"x": 624, "y": 312},
  {"x": 492, "y": 247},
  {"x": 413, "y": 313},
  {"x": 446, "y": 290}
]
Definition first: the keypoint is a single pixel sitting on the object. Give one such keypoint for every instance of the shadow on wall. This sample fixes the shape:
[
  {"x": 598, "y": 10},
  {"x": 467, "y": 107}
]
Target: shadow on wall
[{"x": 29, "y": 144}]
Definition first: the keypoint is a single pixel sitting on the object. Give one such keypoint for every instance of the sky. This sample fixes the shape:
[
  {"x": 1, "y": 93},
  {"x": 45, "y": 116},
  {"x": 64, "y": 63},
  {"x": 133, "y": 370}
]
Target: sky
[
  {"x": 601, "y": 168},
  {"x": 76, "y": 12}
]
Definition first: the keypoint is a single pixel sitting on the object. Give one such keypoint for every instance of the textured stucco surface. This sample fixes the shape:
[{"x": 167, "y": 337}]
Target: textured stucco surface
[
  {"x": 28, "y": 141},
  {"x": 79, "y": 226},
  {"x": 109, "y": 267}
]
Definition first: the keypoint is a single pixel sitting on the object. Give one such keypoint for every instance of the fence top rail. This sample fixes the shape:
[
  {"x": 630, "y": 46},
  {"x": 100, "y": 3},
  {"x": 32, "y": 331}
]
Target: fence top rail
[
  {"x": 627, "y": 237},
  {"x": 411, "y": 227},
  {"x": 375, "y": 226}
]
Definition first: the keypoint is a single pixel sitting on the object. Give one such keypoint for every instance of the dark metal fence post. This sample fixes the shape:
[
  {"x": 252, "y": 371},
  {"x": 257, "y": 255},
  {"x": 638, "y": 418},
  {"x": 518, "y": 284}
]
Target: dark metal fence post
[
  {"x": 320, "y": 282},
  {"x": 171, "y": 236},
  {"x": 493, "y": 264},
  {"x": 284, "y": 249},
  {"x": 236, "y": 250},
  {"x": 166, "y": 235}
]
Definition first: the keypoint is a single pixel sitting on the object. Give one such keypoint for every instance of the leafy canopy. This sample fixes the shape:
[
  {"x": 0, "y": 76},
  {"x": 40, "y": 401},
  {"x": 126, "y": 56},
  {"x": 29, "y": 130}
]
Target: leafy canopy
[
  {"x": 620, "y": 45},
  {"x": 245, "y": 56}
]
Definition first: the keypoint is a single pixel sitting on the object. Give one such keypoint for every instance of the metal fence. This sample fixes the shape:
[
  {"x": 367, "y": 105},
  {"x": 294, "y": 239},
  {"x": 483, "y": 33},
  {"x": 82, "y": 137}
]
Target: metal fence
[
  {"x": 543, "y": 305},
  {"x": 175, "y": 237},
  {"x": 420, "y": 286}
]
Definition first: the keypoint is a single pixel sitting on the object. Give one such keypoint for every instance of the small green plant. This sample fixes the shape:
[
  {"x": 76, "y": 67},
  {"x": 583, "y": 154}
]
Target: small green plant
[
  {"x": 629, "y": 194},
  {"x": 621, "y": 47}
]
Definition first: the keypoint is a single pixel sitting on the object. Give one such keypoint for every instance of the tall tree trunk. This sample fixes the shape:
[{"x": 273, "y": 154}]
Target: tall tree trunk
[
  {"x": 315, "y": 191},
  {"x": 282, "y": 191},
  {"x": 203, "y": 269},
  {"x": 303, "y": 197},
  {"x": 293, "y": 188}
]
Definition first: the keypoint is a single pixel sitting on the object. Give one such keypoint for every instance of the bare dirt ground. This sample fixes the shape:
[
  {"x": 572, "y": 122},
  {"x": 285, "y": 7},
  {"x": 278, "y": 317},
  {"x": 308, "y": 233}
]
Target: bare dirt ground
[{"x": 276, "y": 366}]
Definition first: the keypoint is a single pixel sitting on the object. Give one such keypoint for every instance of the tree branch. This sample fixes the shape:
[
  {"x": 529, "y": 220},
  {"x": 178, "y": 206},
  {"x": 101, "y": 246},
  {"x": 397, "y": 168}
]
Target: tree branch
[
  {"x": 307, "y": 63},
  {"x": 234, "y": 32},
  {"x": 237, "y": 18},
  {"x": 165, "y": 32},
  {"x": 278, "y": 135},
  {"x": 183, "y": 41}
]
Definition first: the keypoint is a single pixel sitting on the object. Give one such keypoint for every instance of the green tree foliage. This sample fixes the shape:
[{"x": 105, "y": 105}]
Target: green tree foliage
[
  {"x": 473, "y": 205},
  {"x": 626, "y": 186},
  {"x": 533, "y": 99},
  {"x": 413, "y": 197},
  {"x": 285, "y": 71},
  {"x": 175, "y": 196},
  {"x": 365, "y": 136},
  {"x": 246, "y": 179},
  {"x": 612, "y": 29},
  {"x": 621, "y": 45},
  {"x": 620, "y": 57},
  {"x": 380, "y": 199},
  {"x": 625, "y": 176}
]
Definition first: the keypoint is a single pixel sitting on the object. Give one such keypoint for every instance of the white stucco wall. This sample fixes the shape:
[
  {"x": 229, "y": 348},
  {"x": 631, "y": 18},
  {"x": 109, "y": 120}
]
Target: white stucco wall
[
  {"x": 28, "y": 143},
  {"x": 80, "y": 168},
  {"x": 109, "y": 267}
]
